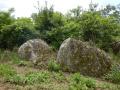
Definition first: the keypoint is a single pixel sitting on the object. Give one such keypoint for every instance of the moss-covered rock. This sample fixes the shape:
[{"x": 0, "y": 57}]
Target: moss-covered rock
[
  {"x": 35, "y": 50},
  {"x": 116, "y": 47},
  {"x": 78, "y": 56}
]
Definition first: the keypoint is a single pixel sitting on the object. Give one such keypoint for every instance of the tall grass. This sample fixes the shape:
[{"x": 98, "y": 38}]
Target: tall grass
[{"x": 10, "y": 56}]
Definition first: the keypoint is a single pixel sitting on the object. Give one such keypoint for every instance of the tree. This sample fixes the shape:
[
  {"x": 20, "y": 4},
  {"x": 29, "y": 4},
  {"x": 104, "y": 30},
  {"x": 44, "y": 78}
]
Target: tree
[
  {"x": 59, "y": 34},
  {"x": 15, "y": 34},
  {"x": 46, "y": 19},
  {"x": 98, "y": 29},
  {"x": 112, "y": 11},
  {"x": 6, "y": 17}
]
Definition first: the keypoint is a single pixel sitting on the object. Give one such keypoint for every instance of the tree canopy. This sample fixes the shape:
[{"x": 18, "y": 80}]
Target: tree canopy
[{"x": 99, "y": 26}]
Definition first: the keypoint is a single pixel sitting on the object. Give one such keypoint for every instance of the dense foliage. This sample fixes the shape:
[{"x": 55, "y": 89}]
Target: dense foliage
[
  {"x": 101, "y": 27},
  {"x": 18, "y": 32}
]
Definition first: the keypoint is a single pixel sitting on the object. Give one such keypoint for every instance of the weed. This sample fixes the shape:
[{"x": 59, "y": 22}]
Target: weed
[
  {"x": 17, "y": 79},
  {"x": 78, "y": 82},
  {"x": 22, "y": 63},
  {"x": 6, "y": 56},
  {"x": 15, "y": 58},
  {"x": 30, "y": 78},
  {"x": 59, "y": 76},
  {"x": 37, "y": 77},
  {"x": 53, "y": 66}
]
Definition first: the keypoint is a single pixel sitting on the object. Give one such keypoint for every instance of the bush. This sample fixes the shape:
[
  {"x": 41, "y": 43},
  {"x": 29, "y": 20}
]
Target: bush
[
  {"x": 79, "y": 82},
  {"x": 53, "y": 66},
  {"x": 59, "y": 34},
  {"x": 101, "y": 30},
  {"x": 16, "y": 34},
  {"x": 114, "y": 74}
]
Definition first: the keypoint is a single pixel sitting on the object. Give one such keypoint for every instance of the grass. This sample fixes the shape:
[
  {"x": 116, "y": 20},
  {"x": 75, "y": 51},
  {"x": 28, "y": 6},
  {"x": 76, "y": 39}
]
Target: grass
[
  {"x": 6, "y": 71},
  {"x": 78, "y": 82},
  {"x": 53, "y": 66},
  {"x": 19, "y": 75},
  {"x": 29, "y": 79},
  {"x": 6, "y": 56},
  {"x": 37, "y": 77}
]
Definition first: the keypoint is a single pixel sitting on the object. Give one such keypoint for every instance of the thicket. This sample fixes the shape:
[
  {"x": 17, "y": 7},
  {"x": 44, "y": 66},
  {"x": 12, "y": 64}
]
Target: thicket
[{"x": 101, "y": 27}]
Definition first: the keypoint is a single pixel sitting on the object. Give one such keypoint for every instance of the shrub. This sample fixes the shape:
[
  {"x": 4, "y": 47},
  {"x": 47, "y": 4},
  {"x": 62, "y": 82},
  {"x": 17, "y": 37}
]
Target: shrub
[
  {"x": 114, "y": 74},
  {"x": 98, "y": 29},
  {"x": 53, "y": 66},
  {"x": 15, "y": 34}
]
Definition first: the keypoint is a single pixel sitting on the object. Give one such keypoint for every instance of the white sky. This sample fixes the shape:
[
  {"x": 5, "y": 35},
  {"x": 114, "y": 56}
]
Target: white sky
[{"x": 24, "y": 8}]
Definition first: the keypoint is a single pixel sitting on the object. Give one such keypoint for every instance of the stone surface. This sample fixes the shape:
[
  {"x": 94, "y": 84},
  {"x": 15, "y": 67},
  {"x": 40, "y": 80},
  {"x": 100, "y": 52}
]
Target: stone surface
[
  {"x": 78, "y": 56},
  {"x": 116, "y": 47},
  {"x": 35, "y": 50}
]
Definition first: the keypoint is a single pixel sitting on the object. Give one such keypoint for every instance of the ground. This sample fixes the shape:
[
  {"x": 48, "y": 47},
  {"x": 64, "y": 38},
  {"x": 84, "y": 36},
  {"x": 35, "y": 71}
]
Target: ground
[{"x": 50, "y": 79}]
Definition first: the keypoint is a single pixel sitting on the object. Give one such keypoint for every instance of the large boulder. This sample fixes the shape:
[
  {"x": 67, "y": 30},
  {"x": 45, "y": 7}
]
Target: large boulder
[
  {"x": 78, "y": 56},
  {"x": 35, "y": 50}
]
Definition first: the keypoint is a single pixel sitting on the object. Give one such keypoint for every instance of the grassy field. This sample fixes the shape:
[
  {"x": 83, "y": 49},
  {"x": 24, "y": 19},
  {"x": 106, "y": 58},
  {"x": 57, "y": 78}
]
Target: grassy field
[{"x": 17, "y": 74}]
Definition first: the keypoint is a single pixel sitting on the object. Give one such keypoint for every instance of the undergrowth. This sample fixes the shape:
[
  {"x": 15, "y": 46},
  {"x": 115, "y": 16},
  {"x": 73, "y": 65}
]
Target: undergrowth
[
  {"x": 78, "y": 82},
  {"x": 114, "y": 74}
]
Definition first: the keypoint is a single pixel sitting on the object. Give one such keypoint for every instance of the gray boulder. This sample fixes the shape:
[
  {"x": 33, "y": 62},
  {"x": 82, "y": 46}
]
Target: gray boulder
[
  {"x": 78, "y": 56},
  {"x": 35, "y": 50}
]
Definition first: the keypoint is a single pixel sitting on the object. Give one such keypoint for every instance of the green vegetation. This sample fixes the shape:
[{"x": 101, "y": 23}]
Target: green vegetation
[
  {"x": 6, "y": 71},
  {"x": 17, "y": 33},
  {"x": 114, "y": 74},
  {"x": 79, "y": 82},
  {"x": 99, "y": 27},
  {"x": 53, "y": 66},
  {"x": 6, "y": 56},
  {"x": 22, "y": 77},
  {"x": 30, "y": 78}
]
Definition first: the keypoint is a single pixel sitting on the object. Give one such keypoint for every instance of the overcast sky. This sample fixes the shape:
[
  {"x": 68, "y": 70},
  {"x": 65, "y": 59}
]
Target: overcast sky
[{"x": 24, "y": 8}]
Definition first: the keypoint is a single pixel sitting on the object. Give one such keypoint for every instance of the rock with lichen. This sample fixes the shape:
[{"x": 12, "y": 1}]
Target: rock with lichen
[
  {"x": 35, "y": 50},
  {"x": 77, "y": 56},
  {"x": 116, "y": 47}
]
